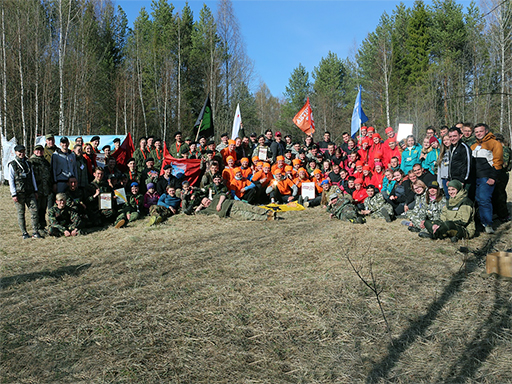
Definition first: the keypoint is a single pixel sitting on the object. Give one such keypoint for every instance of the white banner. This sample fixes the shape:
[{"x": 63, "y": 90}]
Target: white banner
[
  {"x": 8, "y": 154},
  {"x": 237, "y": 122}
]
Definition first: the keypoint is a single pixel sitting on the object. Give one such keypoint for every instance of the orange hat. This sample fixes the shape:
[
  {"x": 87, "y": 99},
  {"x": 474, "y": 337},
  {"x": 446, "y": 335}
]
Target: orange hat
[
  {"x": 371, "y": 129},
  {"x": 358, "y": 181},
  {"x": 302, "y": 170},
  {"x": 231, "y": 142},
  {"x": 255, "y": 159},
  {"x": 359, "y": 163},
  {"x": 288, "y": 168},
  {"x": 389, "y": 129},
  {"x": 280, "y": 158},
  {"x": 237, "y": 169},
  {"x": 277, "y": 171},
  {"x": 366, "y": 140},
  {"x": 366, "y": 168},
  {"x": 376, "y": 135},
  {"x": 316, "y": 171},
  {"x": 364, "y": 127},
  {"x": 230, "y": 158},
  {"x": 244, "y": 160},
  {"x": 296, "y": 161},
  {"x": 259, "y": 164},
  {"x": 266, "y": 165}
]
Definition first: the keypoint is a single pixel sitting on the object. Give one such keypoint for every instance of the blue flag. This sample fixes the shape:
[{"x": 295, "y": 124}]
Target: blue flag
[{"x": 358, "y": 116}]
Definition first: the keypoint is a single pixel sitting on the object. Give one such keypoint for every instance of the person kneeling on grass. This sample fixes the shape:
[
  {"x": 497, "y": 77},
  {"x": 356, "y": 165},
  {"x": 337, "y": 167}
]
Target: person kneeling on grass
[
  {"x": 457, "y": 217},
  {"x": 168, "y": 205},
  {"x": 222, "y": 206},
  {"x": 375, "y": 206},
  {"x": 63, "y": 220},
  {"x": 133, "y": 208}
]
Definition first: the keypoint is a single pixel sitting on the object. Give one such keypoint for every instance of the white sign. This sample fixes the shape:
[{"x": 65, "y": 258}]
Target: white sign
[
  {"x": 404, "y": 130},
  {"x": 308, "y": 190}
]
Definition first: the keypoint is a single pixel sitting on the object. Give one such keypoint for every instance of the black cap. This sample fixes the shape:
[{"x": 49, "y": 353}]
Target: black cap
[
  {"x": 19, "y": 148},
  {"x": 224, "y": 134},
  {"x": 64, "y": 139},
  {"x": 149, "y": 159},
  {"x": 39, "y": 147},
  {"x": 117, "y": 140},
  {"x": 168, "y": 166},
  {"x": 94, "y": 138},
  {"x": 254, "y": 134}
]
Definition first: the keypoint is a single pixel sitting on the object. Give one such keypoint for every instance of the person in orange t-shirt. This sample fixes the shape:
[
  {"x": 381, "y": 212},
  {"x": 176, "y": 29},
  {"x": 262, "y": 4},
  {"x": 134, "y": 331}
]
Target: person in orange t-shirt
[
  {"x": 281, "y": 190},
  {"x": 262, "y": 179},
  {"x": 279, "y": 164},
  {"x": 241, "y": 188},
  {"x": 246, "y": 170},
  {"x": 229, "y": 151},
  {"x": 228, "y": 172}
]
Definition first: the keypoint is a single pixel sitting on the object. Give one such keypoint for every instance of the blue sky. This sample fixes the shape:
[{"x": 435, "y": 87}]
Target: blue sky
[{"x": 281, "y": 34}]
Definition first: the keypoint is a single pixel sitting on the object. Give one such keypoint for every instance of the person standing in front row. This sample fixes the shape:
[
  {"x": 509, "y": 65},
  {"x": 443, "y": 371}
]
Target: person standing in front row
[{"x": 23, "y": 188}]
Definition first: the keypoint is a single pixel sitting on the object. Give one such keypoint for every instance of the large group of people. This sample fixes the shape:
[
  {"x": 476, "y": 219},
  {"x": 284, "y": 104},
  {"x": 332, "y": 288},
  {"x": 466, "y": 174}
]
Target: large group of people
[{"x": 435, "y": 185}]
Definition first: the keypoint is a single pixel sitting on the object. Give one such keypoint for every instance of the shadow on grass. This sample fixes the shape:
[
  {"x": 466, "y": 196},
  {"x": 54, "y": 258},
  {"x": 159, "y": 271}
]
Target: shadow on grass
[
  {"x": 418, "y": 327},
  {"x": 70, "y": 270},
  {"x": 486, "y": 337}
]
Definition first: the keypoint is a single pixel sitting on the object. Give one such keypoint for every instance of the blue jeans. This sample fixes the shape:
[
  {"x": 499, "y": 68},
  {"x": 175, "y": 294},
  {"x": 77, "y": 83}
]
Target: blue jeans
[{"x": 484, "y": 199}]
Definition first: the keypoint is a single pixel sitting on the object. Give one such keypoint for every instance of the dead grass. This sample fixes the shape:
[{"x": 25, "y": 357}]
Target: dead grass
[{"x": 205, "y": 300}]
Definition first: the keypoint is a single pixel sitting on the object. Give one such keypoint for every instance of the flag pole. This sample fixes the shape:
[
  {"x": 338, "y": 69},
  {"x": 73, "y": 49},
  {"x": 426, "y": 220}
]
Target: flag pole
[{"x": 198, "y": 129}]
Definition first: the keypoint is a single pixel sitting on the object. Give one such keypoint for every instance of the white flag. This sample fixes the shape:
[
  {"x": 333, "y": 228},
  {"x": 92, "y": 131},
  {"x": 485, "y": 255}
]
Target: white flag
[{"x": 237, "y": 122}]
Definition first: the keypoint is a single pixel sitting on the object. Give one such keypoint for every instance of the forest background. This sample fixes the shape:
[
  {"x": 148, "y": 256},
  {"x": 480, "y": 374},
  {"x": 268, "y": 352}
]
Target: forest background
[{"x": 75, "y": 67}]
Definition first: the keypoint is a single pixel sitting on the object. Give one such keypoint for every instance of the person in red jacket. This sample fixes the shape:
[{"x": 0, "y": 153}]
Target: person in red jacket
[{"x": 359, "y": 195}]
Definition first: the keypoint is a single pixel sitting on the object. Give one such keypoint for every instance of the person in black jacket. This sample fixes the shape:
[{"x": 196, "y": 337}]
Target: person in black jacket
[
  {"x": 402, "y": 195},
  {"x": 459, "y": 167},
  {"x": 166, "y": 180}
]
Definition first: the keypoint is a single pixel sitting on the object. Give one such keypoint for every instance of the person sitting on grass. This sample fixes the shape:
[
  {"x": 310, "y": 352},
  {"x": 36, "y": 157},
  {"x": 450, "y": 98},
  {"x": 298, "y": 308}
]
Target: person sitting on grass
[
  {"x": 457, "y": 219},
  {"x": 63, "y": 220},
  {"x": 168, "y": 205},
  {"x": 375, "y": 206},
  {"x": 133, "y": 209},
  {"x": 150, "y": 197},
  {"x": 417, "y": 215}
]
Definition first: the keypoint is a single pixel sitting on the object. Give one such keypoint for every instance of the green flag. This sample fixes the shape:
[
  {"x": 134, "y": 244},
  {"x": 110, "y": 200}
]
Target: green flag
[{"x": 204, "y": 123}]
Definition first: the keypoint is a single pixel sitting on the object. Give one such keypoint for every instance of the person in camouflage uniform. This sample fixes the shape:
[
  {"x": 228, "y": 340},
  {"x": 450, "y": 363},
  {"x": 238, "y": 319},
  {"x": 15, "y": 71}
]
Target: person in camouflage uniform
[
  {"x": 63, "y": 220},
  {"x": 376, "y": 207},
  {"x": 76, "y": 199},
  {"x": 457, "y": 219},
  {"x": 418, "y": 214},
  {"x": 222, "y": 206},
  {"x": 435, "y": 201},
  {"x": 43, "y": 175},
  {"x": 133, "y": 208},
  {"x": 342, "y": 208},
  {"x": 23, "y": 188}
]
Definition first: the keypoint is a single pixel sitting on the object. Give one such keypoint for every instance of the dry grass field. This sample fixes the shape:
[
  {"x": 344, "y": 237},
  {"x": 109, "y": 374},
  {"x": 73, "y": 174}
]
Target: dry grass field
[{"x": 209, "y": 300}]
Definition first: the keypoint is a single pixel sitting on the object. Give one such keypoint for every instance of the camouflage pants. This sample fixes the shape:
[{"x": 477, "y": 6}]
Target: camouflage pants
[
  {"x": 124, "y": 216},
  {"x": 244, "y": 211},
  {"x": 446, "y": 229},
  {"x": 30, "y": 202},
  {"x": 42, "y": 202},
  {"x": 159, "y": 210}
]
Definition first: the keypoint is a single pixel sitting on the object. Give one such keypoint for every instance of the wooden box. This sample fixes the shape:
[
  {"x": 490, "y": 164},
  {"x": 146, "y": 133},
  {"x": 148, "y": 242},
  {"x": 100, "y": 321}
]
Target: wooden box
[{"x": 500, "y": 263}]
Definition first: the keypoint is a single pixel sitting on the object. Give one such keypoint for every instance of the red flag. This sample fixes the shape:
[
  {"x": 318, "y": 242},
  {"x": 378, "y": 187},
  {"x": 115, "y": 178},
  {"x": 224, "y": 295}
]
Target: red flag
[
  {"x": 124, "y": 153},
  {"x": 189, "y": 169},
  {"x": 304, "y": 119}
]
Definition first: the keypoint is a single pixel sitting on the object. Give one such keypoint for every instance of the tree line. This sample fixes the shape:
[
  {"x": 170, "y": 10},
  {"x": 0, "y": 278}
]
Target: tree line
[{"x": 73, "y": 67}]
